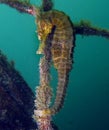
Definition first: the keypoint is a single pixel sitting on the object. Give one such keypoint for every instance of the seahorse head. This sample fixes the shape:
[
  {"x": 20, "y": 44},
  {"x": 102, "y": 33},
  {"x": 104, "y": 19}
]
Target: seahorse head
[{"x": 44, "y": 27}]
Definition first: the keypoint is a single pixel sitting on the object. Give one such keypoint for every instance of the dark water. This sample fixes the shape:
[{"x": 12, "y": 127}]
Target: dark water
[{"x": 87, "y": 102}]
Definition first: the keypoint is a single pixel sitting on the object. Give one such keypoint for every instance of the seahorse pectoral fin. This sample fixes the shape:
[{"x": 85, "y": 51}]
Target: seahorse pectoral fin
[{"x": 84, "y": 28}]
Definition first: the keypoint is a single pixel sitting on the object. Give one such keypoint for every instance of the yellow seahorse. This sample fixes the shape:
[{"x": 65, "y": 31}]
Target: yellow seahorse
[{"x": 61, "y": 48}]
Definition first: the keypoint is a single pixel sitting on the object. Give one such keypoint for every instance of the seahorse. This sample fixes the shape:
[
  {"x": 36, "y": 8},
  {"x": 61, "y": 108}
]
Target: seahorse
[{"x": 62, "y": 45}]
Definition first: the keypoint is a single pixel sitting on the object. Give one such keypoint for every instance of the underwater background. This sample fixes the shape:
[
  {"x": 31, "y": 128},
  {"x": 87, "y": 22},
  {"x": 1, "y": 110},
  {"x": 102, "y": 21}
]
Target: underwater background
[{"x": 86, "y": 105}]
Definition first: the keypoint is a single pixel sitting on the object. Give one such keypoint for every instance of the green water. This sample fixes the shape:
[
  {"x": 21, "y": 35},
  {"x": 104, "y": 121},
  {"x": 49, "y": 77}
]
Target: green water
[{"x": 87, "y": 102}]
